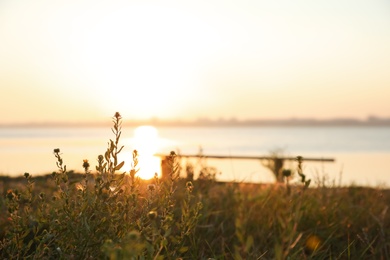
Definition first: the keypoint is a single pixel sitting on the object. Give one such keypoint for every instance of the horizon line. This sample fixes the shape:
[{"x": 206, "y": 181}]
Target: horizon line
[{"x": 293, "y": 121}]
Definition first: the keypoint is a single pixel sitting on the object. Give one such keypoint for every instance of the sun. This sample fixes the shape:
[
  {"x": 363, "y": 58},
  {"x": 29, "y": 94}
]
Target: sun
[{"x": 143, "y": 59}]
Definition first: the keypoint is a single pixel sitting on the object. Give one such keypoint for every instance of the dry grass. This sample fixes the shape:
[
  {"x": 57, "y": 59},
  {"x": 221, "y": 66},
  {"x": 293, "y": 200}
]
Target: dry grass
[{"x": 101, "y": 214}]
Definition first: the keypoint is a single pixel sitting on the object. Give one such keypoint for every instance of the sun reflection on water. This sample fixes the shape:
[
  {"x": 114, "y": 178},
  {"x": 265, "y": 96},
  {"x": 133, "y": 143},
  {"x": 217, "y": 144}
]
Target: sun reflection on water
[{"x": 146, "y": 141}]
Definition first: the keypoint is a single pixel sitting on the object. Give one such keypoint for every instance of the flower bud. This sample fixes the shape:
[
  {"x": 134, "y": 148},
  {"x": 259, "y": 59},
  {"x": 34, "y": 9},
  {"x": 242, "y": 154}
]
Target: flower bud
[{"x": 152, "y": 215}]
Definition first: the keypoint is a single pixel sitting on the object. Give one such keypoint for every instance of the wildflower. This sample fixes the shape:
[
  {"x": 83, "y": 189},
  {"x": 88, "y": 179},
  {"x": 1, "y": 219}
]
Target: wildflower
[
  {"x": 26, "y": 175},
  {"x": 152, "y": 215},
  {"x": 189, "y": 186},
  {"x": 10, "y": 194},
  {"x": 117, "y": 115},
  {"x": 85, "y": 164},
  {"x": 151, "y": 187},
  {"x": 57, "y": 150}
]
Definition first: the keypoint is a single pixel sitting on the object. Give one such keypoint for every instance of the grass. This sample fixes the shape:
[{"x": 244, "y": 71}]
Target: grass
[{"x": 108, "y": 214}]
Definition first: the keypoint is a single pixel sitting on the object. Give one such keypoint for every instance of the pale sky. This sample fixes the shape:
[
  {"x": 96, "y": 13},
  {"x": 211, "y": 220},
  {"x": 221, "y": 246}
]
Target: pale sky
[{"x": 82, "y": 60}]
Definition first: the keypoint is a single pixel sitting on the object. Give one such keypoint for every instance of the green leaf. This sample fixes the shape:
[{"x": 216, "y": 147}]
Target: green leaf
[
  {"x": 29, "y": 244},
  {"x": 249, "y": 243},
  {"x": 168, "y": 232},
  {"x": 164, "y": 242},
  {"x": 119, "y": 166},
  {"x": 107, "y": 155},
  {"x": 183, "y": 249}
]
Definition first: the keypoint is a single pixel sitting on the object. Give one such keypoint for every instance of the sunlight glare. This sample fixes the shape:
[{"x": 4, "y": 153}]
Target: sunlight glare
[
  {"x": 146, "y": 143},
  {"x": 152, "y": 74}
]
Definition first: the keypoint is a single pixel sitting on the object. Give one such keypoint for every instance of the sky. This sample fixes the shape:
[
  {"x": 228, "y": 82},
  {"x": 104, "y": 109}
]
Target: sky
[{"x": 83, "y": 60}]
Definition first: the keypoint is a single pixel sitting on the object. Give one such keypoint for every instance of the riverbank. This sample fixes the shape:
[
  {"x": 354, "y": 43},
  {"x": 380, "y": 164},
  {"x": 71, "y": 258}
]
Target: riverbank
[{"x": 235, "y": 219}]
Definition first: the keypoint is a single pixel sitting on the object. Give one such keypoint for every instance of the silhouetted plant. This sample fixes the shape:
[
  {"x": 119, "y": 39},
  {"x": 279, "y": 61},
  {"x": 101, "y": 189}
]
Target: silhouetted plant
[{"x": 108, "y": 214}]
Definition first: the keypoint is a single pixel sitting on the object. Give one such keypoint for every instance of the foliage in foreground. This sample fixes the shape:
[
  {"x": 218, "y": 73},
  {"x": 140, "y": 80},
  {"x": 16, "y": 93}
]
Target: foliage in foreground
[{"x": 103, "y": 214}]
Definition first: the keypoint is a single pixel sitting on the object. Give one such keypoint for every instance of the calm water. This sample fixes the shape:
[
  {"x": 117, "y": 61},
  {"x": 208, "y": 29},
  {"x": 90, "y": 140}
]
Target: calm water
[{"x": 362, "y": 154}]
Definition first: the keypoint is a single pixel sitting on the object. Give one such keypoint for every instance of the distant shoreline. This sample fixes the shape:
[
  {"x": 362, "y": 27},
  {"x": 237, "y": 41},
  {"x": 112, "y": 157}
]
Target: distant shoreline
[{"x": 372, "y": 121}]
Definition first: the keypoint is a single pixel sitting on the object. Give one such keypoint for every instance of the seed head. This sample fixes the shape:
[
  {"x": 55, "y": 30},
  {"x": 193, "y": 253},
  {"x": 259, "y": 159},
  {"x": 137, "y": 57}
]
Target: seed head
[
  {"x": 117, "y": 115},
  {"x": 85, "y": 164},
  {"x": 10, "y": 194}
]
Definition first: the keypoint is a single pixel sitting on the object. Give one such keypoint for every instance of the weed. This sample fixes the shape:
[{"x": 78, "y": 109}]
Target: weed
[{"x": 105, "y": 213}]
